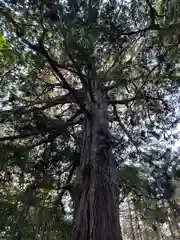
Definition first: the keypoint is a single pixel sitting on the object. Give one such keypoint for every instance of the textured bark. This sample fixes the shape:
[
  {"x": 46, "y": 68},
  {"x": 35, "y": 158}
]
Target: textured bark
[{"x": 96, "y": 206}]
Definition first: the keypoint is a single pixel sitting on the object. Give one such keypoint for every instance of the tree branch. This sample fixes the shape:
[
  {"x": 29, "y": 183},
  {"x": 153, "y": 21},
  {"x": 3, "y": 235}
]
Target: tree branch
[
  {"x": 40, "y": 49},
  {"x": 69, "y": 122},
  {"x": 54, "y": 66},
  {"x": 121, "y": 124},
  {"x": 123, "y": 101},
  {"x": 67, "y": 98},
  {"x": 19, "y": 136}
]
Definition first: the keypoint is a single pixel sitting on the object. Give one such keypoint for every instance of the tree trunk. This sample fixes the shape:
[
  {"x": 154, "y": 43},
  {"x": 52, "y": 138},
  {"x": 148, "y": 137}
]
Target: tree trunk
[
  {"x": 95, "y": 193},
  {"x": 168, "y": 220},
  {"x": 131, "y": 220},
  {"x": 175, "y": 218}
]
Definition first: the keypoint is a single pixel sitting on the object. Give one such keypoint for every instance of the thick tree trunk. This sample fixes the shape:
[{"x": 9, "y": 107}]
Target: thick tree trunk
[{"x": 95, "y": 194}]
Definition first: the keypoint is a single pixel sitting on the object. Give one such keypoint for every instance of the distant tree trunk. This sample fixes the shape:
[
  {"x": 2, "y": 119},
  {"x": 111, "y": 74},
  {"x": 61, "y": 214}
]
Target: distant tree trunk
[
  {"x": 138, "y": 225},
  {"x": 95, "y": 193},
  {"x": 133, "y": 214},
  {"x": 146, "y": 232},
  {"x": 175, "y": 218},
  {"x": 131, "y": 220},
  {"x": 168, "y": 220},
  {"x": 15, "y": 233},
  {"x": 170, "y": 228},
  {"x": 158, "y": 232}
]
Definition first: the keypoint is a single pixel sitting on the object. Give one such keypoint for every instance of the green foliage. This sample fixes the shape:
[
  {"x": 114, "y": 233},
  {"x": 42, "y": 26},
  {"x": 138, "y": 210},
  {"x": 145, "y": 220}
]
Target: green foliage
[{"x": 2, "y": 42}]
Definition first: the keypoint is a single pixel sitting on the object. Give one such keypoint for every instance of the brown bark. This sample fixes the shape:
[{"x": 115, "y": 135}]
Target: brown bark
[{"x": 96, "y": 206}]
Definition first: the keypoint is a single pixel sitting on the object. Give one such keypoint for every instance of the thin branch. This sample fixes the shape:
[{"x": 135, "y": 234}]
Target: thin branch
[
  {"x": 69, "y": 122},
  {"x": 65, "y": 188},
  {"x": 121, "y": 124},
  {"x": 19, "y": 136},
  {"x": 123, "y": 101},
  {"x": 67, "y": 98},
  {"x": 153, "y": 12},
  {"x": 5, "y": 74},
  {"x": 167, "y": 29}
]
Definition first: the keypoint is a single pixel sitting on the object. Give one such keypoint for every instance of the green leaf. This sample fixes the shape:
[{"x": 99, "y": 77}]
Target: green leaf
[{"x": 2, "y": 41}]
